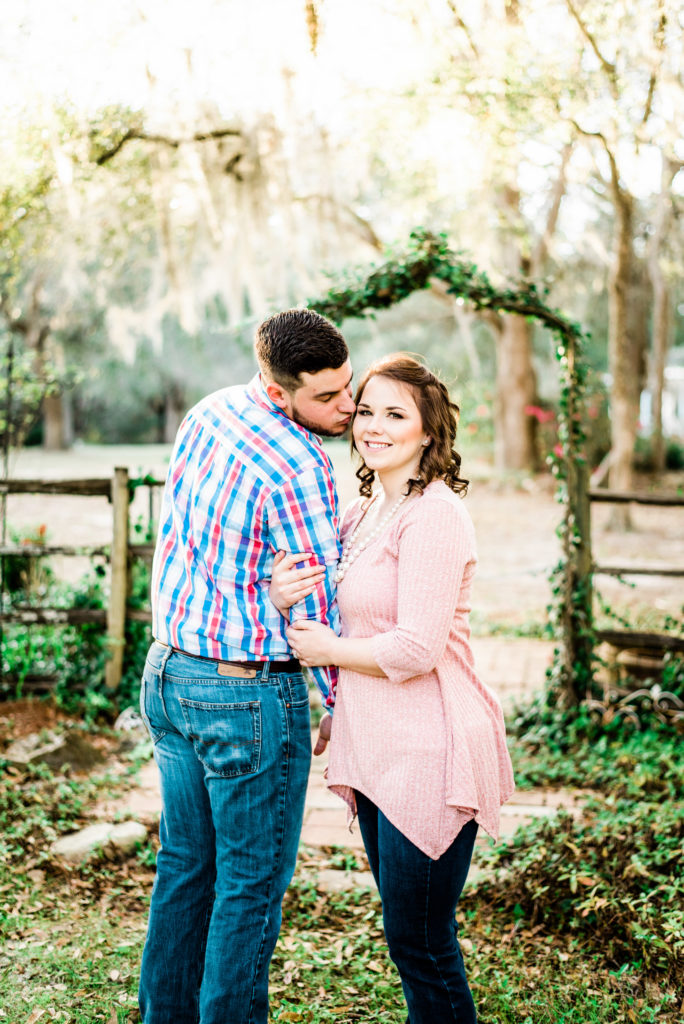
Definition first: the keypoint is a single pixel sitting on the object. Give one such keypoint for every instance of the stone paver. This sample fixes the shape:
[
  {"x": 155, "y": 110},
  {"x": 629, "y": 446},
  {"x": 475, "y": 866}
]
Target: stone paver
[{"x": 513, "y": 668}]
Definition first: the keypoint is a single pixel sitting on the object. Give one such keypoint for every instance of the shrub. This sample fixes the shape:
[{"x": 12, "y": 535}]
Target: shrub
[
  {"x": 612, "y": 879},
  {"x": 72, "y": 659}
]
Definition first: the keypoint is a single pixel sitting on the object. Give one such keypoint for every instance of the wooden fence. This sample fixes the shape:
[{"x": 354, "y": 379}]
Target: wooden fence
[
  {"x": 625, "y": 638},
  {"x": 120, "y": 554}
]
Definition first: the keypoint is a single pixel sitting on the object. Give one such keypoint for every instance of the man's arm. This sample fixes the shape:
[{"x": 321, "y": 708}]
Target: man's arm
[{"x": 301, "y": 517}]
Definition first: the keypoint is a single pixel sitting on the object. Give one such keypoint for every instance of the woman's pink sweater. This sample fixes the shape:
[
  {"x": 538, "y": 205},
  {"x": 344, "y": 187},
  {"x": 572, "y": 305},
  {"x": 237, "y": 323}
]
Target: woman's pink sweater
[{"x": 427, "y": 743}]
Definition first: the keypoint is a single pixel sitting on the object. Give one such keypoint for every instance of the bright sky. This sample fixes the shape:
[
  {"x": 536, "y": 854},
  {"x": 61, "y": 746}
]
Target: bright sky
[{"x": 102, "y": 51}]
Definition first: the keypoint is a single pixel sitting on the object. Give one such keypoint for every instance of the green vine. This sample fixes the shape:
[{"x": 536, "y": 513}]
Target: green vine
[{"x": 427, "y": 257}]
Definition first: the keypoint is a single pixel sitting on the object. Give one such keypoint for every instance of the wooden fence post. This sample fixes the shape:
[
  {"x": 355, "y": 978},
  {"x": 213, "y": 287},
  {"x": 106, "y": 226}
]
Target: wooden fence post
[
  {"x": 578, "y": 616},
  {"x": 116, "y": 611}
]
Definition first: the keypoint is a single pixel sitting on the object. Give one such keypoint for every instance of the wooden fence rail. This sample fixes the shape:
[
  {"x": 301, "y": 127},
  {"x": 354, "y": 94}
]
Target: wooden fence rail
[
  {"x": 625, "y": 638},
  {"x": 120, "y": 554}
]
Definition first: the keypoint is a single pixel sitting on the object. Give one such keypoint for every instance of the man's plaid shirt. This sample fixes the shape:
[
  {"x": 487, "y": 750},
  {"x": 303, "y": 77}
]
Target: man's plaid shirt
[{"x": 244, "y": 482}]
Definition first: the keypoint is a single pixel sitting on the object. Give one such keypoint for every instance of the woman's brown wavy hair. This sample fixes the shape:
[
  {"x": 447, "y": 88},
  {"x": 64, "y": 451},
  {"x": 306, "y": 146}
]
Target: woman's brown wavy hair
[{"x": 439, "y": 417}]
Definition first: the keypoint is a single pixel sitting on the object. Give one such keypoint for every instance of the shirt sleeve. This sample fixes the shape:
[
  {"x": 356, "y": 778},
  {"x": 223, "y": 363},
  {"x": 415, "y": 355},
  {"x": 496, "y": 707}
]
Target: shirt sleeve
[
  {"x": 303, "y": 516},
  {"x": 435, "y": 545}
]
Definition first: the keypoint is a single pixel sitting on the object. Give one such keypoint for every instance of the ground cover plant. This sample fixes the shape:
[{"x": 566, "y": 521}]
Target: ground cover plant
[{"x": 567, "y": 921}]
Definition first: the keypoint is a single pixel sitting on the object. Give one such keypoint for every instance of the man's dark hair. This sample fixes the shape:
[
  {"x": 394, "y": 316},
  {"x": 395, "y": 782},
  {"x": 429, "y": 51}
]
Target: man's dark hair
[{"x": 298, "y": 341}]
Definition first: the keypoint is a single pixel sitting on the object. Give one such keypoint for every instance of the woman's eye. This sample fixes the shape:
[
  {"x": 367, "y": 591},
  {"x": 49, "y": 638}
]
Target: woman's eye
[{"x": 363, "y": 412}]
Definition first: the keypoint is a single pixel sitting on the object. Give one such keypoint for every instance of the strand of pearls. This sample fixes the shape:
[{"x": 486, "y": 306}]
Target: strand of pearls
[{"x": 351, "y": 550}]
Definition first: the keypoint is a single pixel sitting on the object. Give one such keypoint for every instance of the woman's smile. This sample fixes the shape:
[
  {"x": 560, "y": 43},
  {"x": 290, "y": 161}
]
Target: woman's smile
[{"x": 388, "y": 430}]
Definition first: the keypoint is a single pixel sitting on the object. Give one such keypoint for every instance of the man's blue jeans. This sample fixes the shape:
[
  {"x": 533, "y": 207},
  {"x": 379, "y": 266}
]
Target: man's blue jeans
[
  {"x": 419, "y": 898},
  {"x": 234, "y": 757}
]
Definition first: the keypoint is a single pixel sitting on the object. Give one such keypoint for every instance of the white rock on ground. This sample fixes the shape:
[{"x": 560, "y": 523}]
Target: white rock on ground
[{"x": 80, "y": 846}]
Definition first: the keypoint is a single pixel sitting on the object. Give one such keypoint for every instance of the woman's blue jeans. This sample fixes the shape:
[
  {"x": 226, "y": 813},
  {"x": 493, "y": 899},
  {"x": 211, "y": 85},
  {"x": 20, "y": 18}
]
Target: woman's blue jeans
[
  {"x": 234, "y": 757},
  {"x": 419, "y": 898}
]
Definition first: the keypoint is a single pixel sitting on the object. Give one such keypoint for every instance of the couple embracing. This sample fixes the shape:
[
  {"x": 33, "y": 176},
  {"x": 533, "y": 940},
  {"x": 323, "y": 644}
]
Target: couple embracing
[{"x": 418, "y": 749}]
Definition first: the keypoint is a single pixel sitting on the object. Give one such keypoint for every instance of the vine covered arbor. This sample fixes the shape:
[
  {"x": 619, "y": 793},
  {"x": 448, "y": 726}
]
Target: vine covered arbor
[{"x": 429, "y": 257}]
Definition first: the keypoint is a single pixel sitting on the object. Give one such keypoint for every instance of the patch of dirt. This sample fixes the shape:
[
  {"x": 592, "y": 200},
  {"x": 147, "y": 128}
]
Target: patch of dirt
[
  {"x": 30, "y": 716},
  {"x": 20, "y": 718}
]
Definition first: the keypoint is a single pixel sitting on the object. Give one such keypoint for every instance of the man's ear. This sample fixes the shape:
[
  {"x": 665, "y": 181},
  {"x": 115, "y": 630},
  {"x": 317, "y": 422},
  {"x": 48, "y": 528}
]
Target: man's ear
[{"x": 278, "y": 395}]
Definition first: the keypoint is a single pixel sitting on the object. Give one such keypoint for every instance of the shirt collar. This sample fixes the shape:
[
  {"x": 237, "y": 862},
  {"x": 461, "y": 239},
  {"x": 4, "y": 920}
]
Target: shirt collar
[{"x": 257, "y": 392}]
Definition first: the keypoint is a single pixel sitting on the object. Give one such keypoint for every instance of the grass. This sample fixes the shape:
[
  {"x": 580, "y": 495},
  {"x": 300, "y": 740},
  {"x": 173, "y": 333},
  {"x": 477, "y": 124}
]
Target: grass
[
  {"x": 71, "y": 940},
  {"x": 75, "y": 955}
]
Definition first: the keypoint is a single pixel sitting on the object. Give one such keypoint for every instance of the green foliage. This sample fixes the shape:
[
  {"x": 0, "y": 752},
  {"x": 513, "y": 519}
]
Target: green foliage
[
  {"x": 551, "y": 748},
  {"x": 644, "y": 456},
  {"x": 36, "y": 808},
  {"x": 24, "y": 386},
  {"x": 613, "y": 878},
  {"x": 541, "y": 943},
  {"x": 23, "y": 575},
  {"x": 427, "y": 256},
  {"x": 72, "y": 659}
]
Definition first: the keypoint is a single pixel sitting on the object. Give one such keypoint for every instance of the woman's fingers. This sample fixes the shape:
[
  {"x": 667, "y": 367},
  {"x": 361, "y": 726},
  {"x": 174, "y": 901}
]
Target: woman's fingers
[
  {"x": 288, "y": 561},
  {"x": 310, "y": 571},
  {"x": 302, "y": 624}
]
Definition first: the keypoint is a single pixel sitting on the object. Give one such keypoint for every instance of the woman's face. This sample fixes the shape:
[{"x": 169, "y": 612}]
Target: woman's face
[{"x": 387, "y": 429}]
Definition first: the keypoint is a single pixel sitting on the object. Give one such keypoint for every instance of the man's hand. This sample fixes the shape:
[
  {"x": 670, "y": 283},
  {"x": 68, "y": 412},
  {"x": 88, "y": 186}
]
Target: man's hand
[{"x": 323, "y": 734}]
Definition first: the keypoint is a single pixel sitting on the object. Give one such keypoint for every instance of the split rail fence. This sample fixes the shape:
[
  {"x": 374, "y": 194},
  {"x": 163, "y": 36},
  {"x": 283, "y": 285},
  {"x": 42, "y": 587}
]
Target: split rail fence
[
  {"x": 652, "y": 642},
  {"x": 122, "y": 551},
  {"x": 120, "y": 554}
]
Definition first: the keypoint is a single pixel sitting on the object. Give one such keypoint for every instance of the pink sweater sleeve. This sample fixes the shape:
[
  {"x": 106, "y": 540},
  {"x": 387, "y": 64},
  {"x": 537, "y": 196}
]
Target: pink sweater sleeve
[{"x": 435, "y": 544}]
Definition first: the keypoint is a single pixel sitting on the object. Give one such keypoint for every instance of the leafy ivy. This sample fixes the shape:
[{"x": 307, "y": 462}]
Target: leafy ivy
[{"x": 428, "y": 256}]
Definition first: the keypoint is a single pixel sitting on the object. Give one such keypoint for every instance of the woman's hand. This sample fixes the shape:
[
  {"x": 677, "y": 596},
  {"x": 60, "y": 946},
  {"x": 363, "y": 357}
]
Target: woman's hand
[
  {"x": 289, "y": 585},
  {"x": 312, "y": 642}
]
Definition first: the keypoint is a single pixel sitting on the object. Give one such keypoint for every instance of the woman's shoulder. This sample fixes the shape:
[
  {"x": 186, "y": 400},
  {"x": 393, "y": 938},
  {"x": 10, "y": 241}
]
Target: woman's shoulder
[
  {"x": 439, "y": 511},
  {"x": 439, "y": 500}
]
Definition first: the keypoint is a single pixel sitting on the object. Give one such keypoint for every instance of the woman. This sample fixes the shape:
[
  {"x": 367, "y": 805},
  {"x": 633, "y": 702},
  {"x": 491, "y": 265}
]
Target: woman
[{"x": 418, "y": 749}]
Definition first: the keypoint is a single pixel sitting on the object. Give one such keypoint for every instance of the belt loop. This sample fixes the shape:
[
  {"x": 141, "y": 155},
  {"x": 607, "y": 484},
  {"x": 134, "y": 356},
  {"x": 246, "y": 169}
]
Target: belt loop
[
  {"x": 264, "y": 671},
  {"x": 167, "y": 654}
]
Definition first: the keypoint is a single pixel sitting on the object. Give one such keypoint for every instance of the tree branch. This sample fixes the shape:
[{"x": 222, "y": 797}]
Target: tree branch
[
  {"x": 609, "y": 69},
  {"x": 660, "y": 45},
  {"x": 133, "y": 133},
  {"x": 614, "y": 174},
  {"x": 462, "y": 25},
  {"x": 366, "y": 227},
  {"x": 541, "y": 250}
]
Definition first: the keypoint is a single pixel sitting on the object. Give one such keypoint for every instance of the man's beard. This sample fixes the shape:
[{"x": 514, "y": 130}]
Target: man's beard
[{"x": 316, "y": 428}]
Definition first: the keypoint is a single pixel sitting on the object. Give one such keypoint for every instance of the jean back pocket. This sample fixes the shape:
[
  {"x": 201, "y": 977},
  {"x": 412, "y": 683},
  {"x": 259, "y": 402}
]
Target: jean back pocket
[{"x": 226, "y": 737}]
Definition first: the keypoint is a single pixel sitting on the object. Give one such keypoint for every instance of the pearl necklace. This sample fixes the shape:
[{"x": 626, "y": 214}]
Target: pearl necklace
[{"x": 351, "y": 550}]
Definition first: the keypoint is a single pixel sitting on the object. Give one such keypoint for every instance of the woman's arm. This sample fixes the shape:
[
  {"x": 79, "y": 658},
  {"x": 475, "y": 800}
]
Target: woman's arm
[
  {"x": 315, "y": 644},
  {"x": 435, "y": 544}
]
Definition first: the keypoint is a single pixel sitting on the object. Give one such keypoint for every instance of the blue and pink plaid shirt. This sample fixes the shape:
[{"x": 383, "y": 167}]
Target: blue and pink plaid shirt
[{"x": 244, "y": 482}]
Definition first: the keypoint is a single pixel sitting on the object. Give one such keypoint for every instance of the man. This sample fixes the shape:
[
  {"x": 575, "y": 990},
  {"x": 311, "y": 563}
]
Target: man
[{"x": 226, "y": 705}]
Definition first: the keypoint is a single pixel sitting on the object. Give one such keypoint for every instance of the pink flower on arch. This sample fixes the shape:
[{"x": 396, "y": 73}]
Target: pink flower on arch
[{"x": 540, "y": 415}]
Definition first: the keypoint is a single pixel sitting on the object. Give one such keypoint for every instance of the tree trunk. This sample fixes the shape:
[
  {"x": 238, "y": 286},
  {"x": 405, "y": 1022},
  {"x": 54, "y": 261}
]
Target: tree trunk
[
  {"x": 661, "y": 307},
  {"x": 624, "y": 391},
  {"x": 174, "y": 410},
  {"x": 661, "y": 329},
  {"x": 55, "y": 423},
  {"x": 516, "y": 388}
]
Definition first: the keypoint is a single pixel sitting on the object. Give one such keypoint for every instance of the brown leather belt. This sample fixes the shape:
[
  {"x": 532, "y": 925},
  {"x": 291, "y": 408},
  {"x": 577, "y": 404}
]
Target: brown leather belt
[{"x": 242, "y": 669}]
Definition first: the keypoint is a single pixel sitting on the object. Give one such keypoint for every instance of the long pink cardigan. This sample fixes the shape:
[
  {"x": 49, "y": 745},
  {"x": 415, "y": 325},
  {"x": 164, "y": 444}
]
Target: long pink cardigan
[{"x": 427, "y": 743}]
